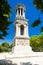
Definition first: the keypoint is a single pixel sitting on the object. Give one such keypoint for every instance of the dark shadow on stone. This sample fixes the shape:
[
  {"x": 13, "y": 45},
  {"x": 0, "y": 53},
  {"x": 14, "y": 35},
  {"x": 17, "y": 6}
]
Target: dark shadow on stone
[
  {"x": 6, "y": 62},
  {"x": 36, "y": 64},
  {"x": 23, "y": 63},
  {"x": 28, "y": 63}
]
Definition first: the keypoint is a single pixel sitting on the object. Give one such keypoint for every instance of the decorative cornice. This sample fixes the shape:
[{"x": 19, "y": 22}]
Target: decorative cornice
[
  {"x": 20, "y": 6},
  {"x": 21, "y": 18},
  {"x": 27, "y": 38}
]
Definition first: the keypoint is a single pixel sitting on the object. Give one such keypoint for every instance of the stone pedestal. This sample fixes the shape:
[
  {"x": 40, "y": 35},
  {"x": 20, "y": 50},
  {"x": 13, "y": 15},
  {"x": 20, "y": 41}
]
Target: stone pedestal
[
  {"x": 22, "y": 50},
  {"x": 29, "y": 58}
]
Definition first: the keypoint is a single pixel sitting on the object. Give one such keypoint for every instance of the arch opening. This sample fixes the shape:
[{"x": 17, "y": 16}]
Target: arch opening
[{"x": 21, "y": 30}]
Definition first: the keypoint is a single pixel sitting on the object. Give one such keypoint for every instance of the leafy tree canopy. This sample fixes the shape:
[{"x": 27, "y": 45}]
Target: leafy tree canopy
[
  {"x": 39, "y": 5},
  {"x": 5, "y": 44},
  {"x": 5, "y": 11},
  {"x": 6, "y": 47},
  {"x": 36, "y": 42},
  {"x": 11, "y": 45},
  {"x": 36, "y": 23}
]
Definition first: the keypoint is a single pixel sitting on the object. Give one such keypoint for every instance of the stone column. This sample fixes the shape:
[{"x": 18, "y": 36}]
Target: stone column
[
  {"x": 17, "y": 30},
  {"x": 24, "y": 30},
  {"x": 23, "y": 14},
  {"x": 17, "y": 13},
  {"x": 20, "y": 11},
  {"x": 27, "y": 30}
]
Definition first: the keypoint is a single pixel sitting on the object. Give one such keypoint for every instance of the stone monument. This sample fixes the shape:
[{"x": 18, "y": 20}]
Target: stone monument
[{"x": 22, "y": 40}]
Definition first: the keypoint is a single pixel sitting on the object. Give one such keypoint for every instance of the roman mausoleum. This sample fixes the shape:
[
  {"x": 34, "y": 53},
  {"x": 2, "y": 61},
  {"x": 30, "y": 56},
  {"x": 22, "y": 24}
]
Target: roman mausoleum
[
  {"x": 22, "y": 53},
  {"x": 21, "y": 38}
]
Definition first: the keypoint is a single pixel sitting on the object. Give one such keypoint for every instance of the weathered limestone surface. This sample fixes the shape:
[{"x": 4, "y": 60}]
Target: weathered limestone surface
[{"x": 32, "y": 58}]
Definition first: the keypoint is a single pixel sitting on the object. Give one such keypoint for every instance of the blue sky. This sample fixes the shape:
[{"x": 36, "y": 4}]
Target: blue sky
[{"x": 31, "y": 14}]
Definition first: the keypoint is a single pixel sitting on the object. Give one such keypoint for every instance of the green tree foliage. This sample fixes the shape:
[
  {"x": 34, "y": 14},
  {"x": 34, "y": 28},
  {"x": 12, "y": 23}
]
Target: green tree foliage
[
  {"x": 11, "y": 45},
  {"x": 5, "y": 44},
  {"x": 36, "y": 23},
  {"x": 36, "y": 42},
  {"x": 41, "y": 29},
  {"x": 39, "y": 5},
  {"x": 5, "y": 11},
  {"x": 6, "y": 47}
]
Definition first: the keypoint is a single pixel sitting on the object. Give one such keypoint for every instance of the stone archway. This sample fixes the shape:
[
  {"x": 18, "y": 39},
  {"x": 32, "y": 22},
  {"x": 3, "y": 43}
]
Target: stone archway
[{"x": 22, "y": 30}]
